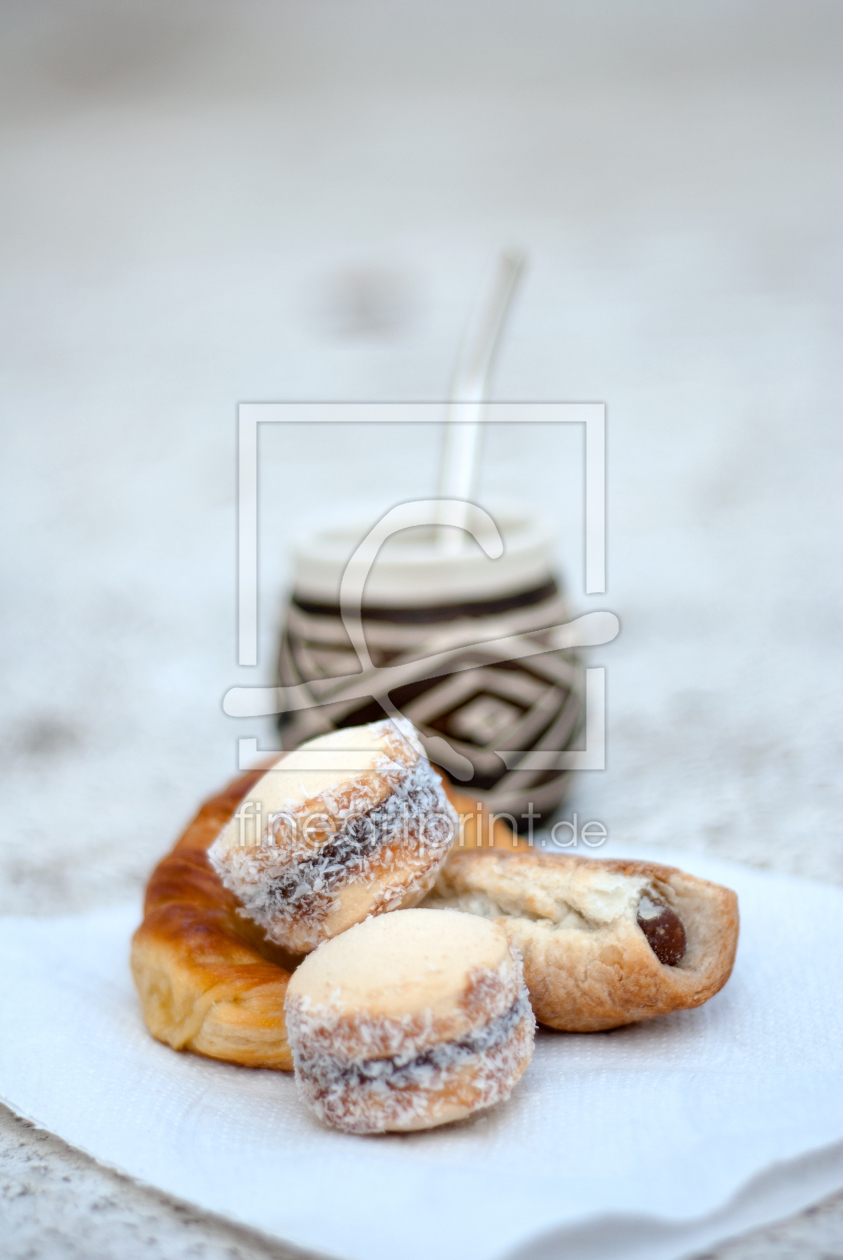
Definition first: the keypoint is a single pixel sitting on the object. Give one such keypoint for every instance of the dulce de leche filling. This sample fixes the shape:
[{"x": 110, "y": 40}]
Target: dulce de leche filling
[{"x": 327, "y": 1073}]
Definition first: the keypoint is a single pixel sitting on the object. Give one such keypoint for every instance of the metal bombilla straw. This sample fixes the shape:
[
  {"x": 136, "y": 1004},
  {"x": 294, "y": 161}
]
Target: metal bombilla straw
[{"x": 469, "y": 395}]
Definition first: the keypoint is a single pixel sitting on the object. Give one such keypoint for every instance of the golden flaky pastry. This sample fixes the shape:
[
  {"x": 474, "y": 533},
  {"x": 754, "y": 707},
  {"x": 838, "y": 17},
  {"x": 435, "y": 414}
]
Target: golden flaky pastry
[{"x": 207, "y": 979}]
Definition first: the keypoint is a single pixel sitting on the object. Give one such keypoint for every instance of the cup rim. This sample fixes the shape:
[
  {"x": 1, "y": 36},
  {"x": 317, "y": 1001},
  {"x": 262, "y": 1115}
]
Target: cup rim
[{"x": 412, "y": 571}]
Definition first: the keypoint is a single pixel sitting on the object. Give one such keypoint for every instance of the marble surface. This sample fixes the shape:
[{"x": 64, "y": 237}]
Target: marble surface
[{"x": 203, "y": 205}]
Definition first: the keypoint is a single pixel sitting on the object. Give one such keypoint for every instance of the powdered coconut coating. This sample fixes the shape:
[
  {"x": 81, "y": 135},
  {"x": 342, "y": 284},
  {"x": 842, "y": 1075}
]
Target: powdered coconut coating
[
  {"x": 409, "y": 834},
  {"x": 369, "y": 1074},
  {"x": 386, "y": 832}
]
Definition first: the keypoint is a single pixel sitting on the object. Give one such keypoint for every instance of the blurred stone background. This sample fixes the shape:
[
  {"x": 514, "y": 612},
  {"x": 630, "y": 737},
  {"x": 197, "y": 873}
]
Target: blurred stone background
[{"x": 207, "y": 203}]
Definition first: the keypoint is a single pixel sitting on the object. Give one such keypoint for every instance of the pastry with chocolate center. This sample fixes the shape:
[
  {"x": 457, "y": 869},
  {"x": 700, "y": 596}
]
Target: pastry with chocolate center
[{"x": 604, "y": 942}]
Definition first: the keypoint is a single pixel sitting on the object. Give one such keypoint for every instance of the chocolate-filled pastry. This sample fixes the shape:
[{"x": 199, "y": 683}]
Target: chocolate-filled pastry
[
  {"x": 409, "y": 1020},
  {"x": 350, "y": 824},
  {"x": 605, "y": 942}
]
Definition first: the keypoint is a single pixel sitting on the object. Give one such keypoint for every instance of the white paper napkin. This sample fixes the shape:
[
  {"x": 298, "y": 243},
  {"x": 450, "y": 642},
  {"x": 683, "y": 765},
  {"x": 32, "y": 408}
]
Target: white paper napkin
[{"x": 644, "y": 1141}]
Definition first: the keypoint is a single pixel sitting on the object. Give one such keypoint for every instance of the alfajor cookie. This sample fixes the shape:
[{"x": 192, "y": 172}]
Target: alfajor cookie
[
  {"x": 350, "y": 824},
  {"x": 408, "y": 1021}
]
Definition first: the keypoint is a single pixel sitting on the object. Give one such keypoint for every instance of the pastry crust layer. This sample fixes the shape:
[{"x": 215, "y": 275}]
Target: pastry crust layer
[
  {"x": 207, "y": 980},
  {"x": 587, "y": 963}
]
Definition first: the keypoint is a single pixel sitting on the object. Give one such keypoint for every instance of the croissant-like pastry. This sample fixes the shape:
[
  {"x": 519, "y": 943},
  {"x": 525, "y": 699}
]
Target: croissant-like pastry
[{"x": 208, "y": 979}]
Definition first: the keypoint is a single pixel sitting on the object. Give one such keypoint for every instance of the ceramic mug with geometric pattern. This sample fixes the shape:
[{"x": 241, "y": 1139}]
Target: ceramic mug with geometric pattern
[{"x": 461, "y": 609}]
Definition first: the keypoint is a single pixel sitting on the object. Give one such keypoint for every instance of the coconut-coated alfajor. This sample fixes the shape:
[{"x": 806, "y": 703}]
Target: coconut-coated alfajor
[
  {"x": 408, "y": 1021},
  {"x": 350, "y": 824}
]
